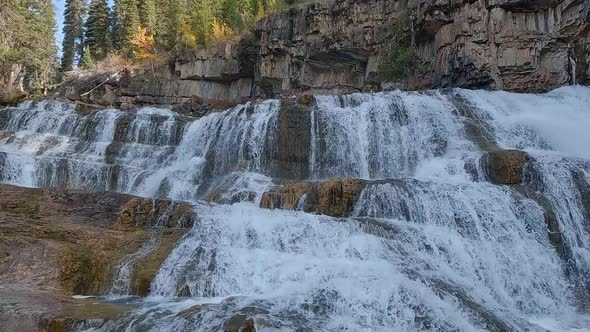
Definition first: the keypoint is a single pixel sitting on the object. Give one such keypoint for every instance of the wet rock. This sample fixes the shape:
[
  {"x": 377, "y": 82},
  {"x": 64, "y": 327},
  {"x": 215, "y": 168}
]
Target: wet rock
[
  {"x": 225, "y": 196},
  {"x": 335, "y": 197},
  {"x": 477, "y": 131},
  {"x": 145, "y": 268},
  {"x": 306, "y": 100},
  {"x": 188, "y": 313},
  {"x": 62, "y": 243},
  {"x": 584, "y": 189},
  {"x": 185, "y": 291},
  {"x": 240, "y": 323},
  {"x": 34, "y": 310},
  {"x": 161, "y": 213},
  {"x": 291, "y": 155},
  {"x": 532, "y": 188},
  {"x": 6, "y": 135},
  {"x": 505, "y": 166},
  {"x": 286, "y": 197}
]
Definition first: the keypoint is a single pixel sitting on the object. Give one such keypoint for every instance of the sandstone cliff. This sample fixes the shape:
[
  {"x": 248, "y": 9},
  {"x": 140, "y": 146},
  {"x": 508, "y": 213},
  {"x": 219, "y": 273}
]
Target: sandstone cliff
[{"x": 336, "y": 46}]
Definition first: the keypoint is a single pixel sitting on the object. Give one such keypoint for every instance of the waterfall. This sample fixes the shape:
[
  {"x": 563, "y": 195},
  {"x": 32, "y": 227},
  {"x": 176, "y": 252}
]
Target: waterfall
[
  {"x": 430, "y": 245},
  {"x": 150, "y": 152}
]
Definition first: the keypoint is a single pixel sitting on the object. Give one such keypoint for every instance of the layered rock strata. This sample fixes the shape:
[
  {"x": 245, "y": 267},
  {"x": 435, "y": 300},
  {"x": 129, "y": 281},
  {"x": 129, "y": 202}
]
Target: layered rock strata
[{"x": 337, "y": 47}]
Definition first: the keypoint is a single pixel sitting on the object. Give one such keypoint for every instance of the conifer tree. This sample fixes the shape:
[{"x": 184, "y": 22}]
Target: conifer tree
[
  {"x": 27, "y": 47},
  {"x": 169, "y": 22},
  {"x": 126, "y": 23},
  {"x": 87, "y": 61},
  {"x": 73, "y": 42},
  {"x": 97, "y": 36},
  {"x": 202, "y": 14},
  {"x": 147, "y": 14},
  {"x": 231, "y": 12}
]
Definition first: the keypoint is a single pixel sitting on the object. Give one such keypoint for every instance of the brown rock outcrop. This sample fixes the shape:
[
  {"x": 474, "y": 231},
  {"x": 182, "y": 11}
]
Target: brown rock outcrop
[
  {"x": 505, "y": 166},
  {"x": 335, "y": 197},
  {"x": 70, "y": 242},
  {"x": 145, "y": 268},
  {"x": 156, "y": 212},
  {"x": 198, "y": 81},
  {"x": 502, "y": 44},
  {"x": 287, "y": 196},
  {"x": 325, "y": 46}
]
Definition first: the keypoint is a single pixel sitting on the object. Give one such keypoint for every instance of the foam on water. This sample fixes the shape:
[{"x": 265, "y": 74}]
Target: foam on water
[
  {"x": 384, "y": 135},
  {"x": 558, "y": 120},
  {"x": 430, "y": 245}
]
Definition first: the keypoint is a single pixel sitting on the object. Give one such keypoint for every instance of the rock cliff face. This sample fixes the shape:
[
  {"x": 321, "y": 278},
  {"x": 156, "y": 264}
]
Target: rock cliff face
[
  {"x": 498, "y": 44},
  {"x": 336, "y": 46},
  {"x": 506, "y": 44},
  {"x": 196, "y": 82}
]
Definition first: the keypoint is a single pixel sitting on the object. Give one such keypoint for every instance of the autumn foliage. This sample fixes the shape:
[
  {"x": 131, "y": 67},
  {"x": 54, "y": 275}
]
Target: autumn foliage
[
  {"x": 221, "y": 31},
  {"x": 143, "y": 44}
]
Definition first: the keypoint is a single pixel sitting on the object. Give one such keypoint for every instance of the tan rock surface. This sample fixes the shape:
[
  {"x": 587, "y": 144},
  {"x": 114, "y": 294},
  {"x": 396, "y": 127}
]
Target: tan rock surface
[
  {"x": 61, "y": 243},
  {"x": 335, "y": 197}
]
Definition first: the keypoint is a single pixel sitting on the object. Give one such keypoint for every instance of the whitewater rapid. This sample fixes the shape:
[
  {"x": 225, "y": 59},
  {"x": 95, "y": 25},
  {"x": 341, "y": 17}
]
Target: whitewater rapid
[{"x": 430, "y": 246}]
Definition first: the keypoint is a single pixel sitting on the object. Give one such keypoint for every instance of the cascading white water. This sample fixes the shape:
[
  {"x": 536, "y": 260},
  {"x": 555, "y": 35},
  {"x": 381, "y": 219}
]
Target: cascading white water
[
  {"x": 384, "y": 135},
  {"x": 152, "y": 152},
  {"x": 430, "y": 245}
]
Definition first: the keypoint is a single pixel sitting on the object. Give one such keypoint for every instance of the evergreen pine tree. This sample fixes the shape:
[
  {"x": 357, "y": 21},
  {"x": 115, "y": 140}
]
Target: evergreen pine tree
[
  {"x": 73, "y": 33},
  {"x": 169, "y": 20},
  {"x": 202, "y": 14},
  {"x": 231, "y": 12},
  {"x": 147, "y": 14},
  {"x": 27, "y": 47},
  {"x": 87, "y": 61},
  {"x": 97, "y": 36},
  {"x": 126, "y": 23}
]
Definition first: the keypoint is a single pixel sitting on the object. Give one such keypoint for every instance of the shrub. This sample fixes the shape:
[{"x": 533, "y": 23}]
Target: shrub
[{"x": 400, "y": 59}]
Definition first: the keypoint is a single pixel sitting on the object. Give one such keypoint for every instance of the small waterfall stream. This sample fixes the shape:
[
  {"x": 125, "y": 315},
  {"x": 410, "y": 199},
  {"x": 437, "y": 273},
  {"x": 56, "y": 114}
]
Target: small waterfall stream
[{"x": 430, "y": 245}]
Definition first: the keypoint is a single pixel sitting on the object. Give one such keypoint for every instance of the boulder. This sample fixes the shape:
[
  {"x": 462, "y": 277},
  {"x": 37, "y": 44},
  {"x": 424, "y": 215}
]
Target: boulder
[
  {"x": 335, "y": 197},
  {"x": 504, "y": 166},
  {"x": 240, "y": 323},
  {"x": 286, "y": 197},
  {"x": 161, "y": 213}
]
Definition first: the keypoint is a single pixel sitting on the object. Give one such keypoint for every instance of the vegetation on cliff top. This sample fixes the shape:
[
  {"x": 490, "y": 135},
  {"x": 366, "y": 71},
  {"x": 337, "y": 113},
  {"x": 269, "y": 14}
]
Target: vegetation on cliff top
[
  {"x": 174, "y": 25},
  {"x": 27, "y": 48},
  {"x": 95, "y": 32}
]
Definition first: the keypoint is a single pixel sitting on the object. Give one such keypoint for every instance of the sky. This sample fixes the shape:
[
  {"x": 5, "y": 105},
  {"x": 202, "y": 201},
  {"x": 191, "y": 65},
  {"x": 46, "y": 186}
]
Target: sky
[{"x": 59, "y": 14}]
